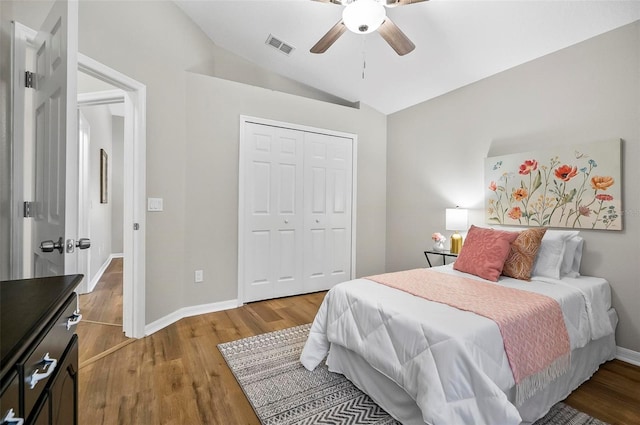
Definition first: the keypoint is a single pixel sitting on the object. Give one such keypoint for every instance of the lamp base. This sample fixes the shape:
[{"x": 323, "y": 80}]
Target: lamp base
[{"x": 456, "y": 243}]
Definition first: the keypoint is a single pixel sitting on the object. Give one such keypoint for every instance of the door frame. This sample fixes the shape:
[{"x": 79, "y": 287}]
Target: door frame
[
  {"x": 134, "y": 94},
  {"x": 134, "y": 166},
  {"x": 244, "y": 119}
]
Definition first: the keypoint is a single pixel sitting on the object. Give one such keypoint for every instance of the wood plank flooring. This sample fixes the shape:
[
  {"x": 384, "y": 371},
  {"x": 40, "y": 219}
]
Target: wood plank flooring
[
  {"x": 178, "y": 376},
  {"x": 101, "y": 326}
]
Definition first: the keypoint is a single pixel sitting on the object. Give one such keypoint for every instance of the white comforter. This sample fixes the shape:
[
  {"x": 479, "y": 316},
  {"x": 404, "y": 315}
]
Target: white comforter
[{"x": 451, "y": 362}]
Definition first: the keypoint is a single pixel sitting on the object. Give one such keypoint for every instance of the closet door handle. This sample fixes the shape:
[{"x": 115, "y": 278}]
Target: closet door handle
[
  {"x": 317, "y": 220},
  {"x": 286, "y": 222}
]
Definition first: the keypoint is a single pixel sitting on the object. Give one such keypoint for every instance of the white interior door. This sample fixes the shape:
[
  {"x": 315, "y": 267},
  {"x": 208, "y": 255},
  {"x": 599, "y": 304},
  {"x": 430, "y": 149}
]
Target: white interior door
[
  {"x": 327, "y": 210},
  {"x": 55, "y": 124},
  {"x": 273, "y": 212}
]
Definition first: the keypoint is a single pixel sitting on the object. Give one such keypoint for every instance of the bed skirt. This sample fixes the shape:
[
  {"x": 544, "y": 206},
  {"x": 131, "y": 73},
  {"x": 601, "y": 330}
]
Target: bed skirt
[{"x": 387, "y": 394}]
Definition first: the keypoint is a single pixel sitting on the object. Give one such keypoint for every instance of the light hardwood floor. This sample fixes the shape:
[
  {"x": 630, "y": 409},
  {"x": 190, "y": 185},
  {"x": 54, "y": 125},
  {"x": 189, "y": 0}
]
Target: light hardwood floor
[
  {"x": 100, "y": 330},
  {"x": 178, "y": 376}
]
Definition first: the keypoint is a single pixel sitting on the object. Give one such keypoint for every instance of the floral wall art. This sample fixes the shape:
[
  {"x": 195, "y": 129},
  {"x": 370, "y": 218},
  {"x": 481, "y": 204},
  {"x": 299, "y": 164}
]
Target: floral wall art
[{"x": 576, "y": 187}]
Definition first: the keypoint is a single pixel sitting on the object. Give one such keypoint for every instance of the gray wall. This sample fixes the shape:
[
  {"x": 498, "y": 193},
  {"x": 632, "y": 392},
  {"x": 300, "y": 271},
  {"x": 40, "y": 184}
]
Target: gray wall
[
  {"x": 100, "y": 215},
  {"x": 192, "y": 154},
  {"x": 586, "y": 93},
  {"x": 212, "y": 176},
  {"x": 117, "y": 184},
  {"x": 180, "y": 135}
]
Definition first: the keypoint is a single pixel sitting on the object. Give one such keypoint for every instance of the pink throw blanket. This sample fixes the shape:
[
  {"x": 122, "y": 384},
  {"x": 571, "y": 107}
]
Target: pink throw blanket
[{"x": 532, "y": 326}]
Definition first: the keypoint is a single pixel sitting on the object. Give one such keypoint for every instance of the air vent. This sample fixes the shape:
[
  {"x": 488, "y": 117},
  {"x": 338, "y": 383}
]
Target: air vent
[{"x": 279, "y": 44}]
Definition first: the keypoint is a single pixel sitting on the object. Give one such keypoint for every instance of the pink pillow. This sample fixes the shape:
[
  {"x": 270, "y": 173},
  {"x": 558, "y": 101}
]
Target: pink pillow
[
  {"x": 484, "y": 252},
  {"x": 519, "y": 262}
]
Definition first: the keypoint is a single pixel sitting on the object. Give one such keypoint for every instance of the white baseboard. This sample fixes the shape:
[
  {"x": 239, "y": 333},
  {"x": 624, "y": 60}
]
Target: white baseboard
[
  {"x": 628, "y": 356},
  {"x": 188, "y": 312},
  {"x": 103, "y": 268}
]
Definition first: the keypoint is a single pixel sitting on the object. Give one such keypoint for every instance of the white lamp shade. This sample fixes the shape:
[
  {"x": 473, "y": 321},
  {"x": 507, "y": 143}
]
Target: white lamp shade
[
  {"x": 456, "y": 219},
  {"x": 363, "y": 16}
]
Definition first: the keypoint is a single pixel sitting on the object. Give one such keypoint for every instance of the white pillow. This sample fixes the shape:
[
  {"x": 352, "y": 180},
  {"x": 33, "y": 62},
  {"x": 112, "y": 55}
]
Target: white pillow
[
  {"x": 551, "y": 253},
  {"x": 572, "y": 257}
]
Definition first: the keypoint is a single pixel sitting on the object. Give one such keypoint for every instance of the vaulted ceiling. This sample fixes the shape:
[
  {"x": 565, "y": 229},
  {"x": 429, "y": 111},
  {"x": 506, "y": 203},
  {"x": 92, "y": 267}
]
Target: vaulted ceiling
[{"x": 457, "y": 42}]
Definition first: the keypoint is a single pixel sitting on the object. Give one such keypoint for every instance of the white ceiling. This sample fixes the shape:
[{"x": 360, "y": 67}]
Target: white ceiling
[{"x": 457, "y": 42}]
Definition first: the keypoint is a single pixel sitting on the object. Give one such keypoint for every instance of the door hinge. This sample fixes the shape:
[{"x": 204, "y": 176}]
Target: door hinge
[
  {"x": 29, "y": 79},
  {"x": 28, "y": 209},
  {"x": 136, "y": 226}
]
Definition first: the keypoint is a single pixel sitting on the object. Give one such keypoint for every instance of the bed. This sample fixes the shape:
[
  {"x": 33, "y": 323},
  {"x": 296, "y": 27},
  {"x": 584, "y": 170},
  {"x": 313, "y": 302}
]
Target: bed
[{"x": 428, "y": 362}]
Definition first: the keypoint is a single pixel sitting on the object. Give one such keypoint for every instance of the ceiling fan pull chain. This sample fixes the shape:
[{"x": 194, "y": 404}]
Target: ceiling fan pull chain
[{"x": 364, "y": 56}]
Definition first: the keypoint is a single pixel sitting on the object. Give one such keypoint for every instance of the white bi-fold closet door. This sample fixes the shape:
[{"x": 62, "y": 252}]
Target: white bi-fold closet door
[{"x": 295, "y": 210}]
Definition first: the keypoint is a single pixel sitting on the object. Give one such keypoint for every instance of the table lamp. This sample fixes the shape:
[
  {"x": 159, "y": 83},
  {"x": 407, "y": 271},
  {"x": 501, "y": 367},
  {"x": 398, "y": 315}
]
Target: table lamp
[{"x": 456, "y": 220}]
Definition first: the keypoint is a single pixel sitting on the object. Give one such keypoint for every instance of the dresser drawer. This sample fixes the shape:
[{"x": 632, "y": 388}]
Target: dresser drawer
[
  {"x": 41, "y": 364},
  {"x": 10, "y": 398}
]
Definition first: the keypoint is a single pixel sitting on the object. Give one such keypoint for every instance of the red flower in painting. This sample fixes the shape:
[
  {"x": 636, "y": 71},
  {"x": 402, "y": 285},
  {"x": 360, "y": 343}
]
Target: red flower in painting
[
  {"x": 584, "y": 211},
  {"x": 515, "y": 213},
  {"x": 566, "y": 172},
  {"x": 493, "y": 186},
  {"x": 604, "y": 197},
  {"x": 528, "y": 166}
]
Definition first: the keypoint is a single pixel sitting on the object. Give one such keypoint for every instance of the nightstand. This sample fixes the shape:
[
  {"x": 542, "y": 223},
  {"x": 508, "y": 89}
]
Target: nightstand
[{"x": 444, "y": 255}]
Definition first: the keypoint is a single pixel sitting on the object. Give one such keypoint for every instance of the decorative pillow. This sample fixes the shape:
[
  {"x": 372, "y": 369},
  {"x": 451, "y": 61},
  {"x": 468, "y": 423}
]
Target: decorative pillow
[
  {"x": 572, "y": 257},
  {"x": 551, "y": 253},
  {"x": 484, "y": 252},
  {"x": 522, "y": 255}
]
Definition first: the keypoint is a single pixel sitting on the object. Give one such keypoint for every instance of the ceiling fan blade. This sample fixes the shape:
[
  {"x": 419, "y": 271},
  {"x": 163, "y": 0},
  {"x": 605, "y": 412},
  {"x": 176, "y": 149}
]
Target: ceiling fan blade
[
  {"x": 394, "y": 3},
  {"x": 395, "y": 37},
  {"x": 329, "y": 38}
]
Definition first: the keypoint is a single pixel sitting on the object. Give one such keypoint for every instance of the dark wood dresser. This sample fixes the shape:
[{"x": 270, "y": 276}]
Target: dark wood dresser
[{"x": 39, "y": 346}]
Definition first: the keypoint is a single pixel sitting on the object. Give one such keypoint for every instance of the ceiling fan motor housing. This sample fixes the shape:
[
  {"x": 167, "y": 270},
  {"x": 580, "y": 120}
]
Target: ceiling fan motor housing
[{"x": 364, "y": 16}]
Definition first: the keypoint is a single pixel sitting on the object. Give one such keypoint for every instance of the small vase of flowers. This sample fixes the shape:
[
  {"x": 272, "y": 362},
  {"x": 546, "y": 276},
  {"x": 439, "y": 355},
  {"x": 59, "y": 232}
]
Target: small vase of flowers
[{"x": 438, "y": 241}]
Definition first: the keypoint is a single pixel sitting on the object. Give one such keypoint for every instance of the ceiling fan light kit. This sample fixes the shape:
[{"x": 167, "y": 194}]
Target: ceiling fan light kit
[
  {"x": 366, "y": 16},
  {"x": 363, "y": 16}
]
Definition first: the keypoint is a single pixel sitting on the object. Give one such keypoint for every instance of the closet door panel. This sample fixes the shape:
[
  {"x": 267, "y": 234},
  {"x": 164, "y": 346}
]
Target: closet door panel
[
  {"x": 316, "y": 250},
  {"x": 273, "y": 205},
  {"x": 260, "y": 248},
  {"x": 327, "y": 190}
]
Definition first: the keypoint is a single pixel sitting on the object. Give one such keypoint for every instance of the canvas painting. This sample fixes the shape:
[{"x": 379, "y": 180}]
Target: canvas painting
[{"x": 576, "y": 187}]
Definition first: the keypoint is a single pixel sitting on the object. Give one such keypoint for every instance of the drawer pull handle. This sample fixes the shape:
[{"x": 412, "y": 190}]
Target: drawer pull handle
[
  {"x": 74, "y": 319},
  {"x": 10, "y": 419},
  {"x": 49, "y": 364}
]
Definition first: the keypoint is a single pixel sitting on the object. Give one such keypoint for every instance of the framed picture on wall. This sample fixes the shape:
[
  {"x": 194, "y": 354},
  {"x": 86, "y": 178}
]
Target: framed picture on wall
[
  {"x": 103, "y": 176},
  {"x": 573, "y": 186}
]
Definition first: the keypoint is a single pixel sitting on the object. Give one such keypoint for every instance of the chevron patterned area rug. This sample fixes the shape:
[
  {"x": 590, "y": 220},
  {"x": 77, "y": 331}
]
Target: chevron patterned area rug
[{"x": 283, "y": 392}]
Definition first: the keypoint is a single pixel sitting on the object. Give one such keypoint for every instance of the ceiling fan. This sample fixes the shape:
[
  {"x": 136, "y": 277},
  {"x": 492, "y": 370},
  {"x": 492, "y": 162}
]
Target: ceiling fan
[{"x": 363, "y": 17}]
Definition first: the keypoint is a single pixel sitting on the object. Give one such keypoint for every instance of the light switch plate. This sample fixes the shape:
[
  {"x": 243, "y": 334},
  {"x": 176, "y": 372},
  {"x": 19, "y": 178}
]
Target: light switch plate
[
  {"x": 198, "y": 276},
  {"x": 154, "y": 204}
]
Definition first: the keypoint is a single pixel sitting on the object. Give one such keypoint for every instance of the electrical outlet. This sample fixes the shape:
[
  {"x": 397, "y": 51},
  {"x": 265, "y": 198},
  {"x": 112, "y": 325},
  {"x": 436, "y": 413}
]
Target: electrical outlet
[{"x": 198, "y": 276}]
